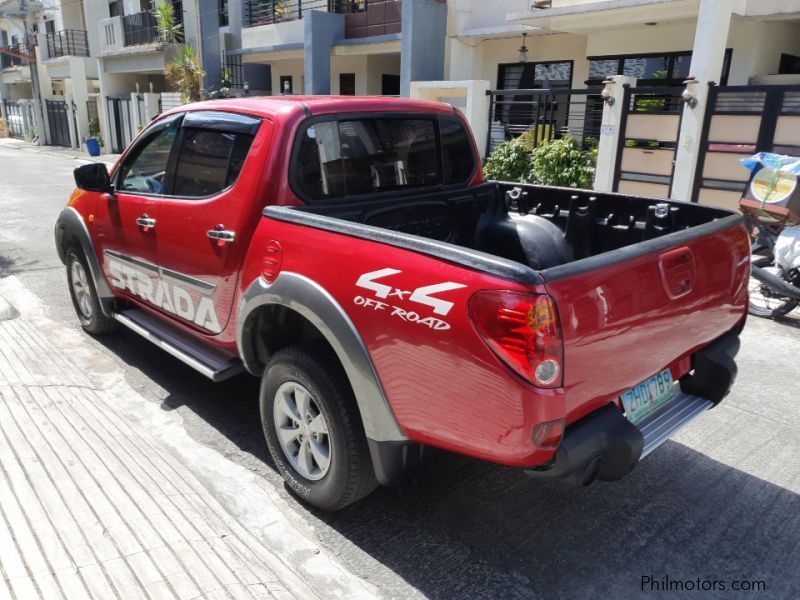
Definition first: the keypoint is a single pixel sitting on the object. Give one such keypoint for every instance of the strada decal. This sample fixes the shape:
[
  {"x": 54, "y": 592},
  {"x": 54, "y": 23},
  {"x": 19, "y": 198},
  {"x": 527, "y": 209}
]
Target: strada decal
[
  {"x": 424, "y": 295},
  {"x": 151, "y": 287}
]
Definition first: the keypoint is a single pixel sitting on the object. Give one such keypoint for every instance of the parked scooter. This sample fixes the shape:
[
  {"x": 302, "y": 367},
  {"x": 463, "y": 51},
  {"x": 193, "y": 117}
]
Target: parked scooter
[{"x": 771, "y": 205}]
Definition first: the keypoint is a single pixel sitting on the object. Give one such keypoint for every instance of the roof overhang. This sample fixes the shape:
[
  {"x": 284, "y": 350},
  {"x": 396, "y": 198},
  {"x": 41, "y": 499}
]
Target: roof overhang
[{"x": 607, "y": 14}]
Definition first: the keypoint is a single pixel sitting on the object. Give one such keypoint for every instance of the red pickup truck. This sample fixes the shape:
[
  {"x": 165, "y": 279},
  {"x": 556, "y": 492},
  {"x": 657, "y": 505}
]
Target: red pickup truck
[{"x": 348, "y": 253}]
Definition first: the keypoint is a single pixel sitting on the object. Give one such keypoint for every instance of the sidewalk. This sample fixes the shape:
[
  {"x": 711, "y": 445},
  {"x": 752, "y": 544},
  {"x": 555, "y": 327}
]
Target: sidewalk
[
  {"x": 94, "y": 504},
  {"x": 76, "y": 154}
]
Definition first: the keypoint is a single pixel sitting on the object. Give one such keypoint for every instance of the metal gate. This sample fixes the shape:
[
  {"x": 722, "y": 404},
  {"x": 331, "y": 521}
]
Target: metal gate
[
  {"x": 649, "y": 128},
  {"x": 544, "y": 115},
  {"x": 740, "y": 121},
  {"x": 58, "y": 122},
  {"x": 119, "y": 118},
  {"x": 15, "y": 123}
]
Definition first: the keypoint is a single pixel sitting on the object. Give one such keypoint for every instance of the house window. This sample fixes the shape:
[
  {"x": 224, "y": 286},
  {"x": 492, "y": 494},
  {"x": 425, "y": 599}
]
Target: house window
[
  {"x": 347, "y": 84},
  {"x": 390, "y": 85},
  {"x": 669, "y": 69},
  {"x": 357, "y": 6},
  {"x": 534, "y": 75},
  {"x": 286, "y": 84},
  {"x": 115, "y": 8},
  {"x": 789, "y": 65},
  {"x": 222, "y": 7}
]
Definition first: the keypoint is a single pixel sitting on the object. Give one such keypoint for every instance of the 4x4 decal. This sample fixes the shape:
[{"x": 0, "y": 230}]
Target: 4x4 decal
[{"x": 424, "y": 295}]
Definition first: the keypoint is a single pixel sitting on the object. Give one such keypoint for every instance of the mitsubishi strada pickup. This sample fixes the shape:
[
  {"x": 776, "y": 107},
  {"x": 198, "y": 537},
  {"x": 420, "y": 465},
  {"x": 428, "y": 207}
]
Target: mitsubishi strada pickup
[{"x": 348, "y": 252}]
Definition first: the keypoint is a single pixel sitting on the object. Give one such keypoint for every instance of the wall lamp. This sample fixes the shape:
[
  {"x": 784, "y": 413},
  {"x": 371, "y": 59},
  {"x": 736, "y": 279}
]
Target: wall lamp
[
  {"x": 688, "y": 94},
  {"x": 606, "y": 94}
]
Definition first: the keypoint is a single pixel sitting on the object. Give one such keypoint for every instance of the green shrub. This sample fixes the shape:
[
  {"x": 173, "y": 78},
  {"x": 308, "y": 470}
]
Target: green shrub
[
  {"x": 564, "y": 163},
  {"x": 510, "y": 162}
]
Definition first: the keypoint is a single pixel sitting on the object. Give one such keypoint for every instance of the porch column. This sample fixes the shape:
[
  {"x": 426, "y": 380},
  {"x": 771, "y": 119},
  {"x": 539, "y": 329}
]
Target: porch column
[
  {"x": 708, "y": 55},
  {"x": 321, "y": 30},
  {"x": 611, "y": 134},
  {"x": 423, "y": 43}
]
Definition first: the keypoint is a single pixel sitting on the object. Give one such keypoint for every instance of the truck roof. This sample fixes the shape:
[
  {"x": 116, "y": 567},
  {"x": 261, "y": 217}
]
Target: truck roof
[{"x": 274, "y": 106}]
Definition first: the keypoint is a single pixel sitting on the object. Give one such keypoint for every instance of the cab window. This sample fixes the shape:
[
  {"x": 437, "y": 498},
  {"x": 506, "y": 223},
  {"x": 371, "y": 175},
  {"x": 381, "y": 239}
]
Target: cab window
[
  {"x": 145, "y": 169},
  {"x": 208, "y": 161},
  {"x": 361, "y": 156}
]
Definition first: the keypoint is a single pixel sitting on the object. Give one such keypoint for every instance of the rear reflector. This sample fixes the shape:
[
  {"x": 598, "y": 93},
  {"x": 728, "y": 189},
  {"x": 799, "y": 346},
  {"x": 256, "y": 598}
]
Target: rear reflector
[
  {"x": 547, "y": 436},
  {"x": 523, "y": 330}
]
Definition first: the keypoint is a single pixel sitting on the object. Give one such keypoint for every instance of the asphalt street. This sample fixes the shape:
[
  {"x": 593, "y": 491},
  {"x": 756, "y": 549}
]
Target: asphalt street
[{"x": 720, "y": 502}]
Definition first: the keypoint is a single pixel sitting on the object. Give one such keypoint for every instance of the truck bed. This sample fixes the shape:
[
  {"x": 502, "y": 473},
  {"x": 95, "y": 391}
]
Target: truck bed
[{"x": 606, "y": 259}]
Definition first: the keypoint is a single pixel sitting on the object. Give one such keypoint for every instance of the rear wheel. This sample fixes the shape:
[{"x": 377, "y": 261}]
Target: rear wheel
[
  {"x": 84, "y": 295},
  {"x": 313, "y": 428},
  {"x": 764, "y": 301}
]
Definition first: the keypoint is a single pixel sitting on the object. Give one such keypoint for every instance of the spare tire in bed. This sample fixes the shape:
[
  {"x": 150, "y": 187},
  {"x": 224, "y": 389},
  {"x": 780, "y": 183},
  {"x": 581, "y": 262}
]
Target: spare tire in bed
[{"x": 531, "y": 240}]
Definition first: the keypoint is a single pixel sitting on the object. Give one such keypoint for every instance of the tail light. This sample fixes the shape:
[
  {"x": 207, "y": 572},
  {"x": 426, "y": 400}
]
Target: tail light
[{"x": 523, "y": 330}]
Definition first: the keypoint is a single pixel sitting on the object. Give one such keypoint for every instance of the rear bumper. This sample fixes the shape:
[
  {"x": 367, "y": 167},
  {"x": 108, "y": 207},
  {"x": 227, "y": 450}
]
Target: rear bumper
[{"x": 605, "y": 445}]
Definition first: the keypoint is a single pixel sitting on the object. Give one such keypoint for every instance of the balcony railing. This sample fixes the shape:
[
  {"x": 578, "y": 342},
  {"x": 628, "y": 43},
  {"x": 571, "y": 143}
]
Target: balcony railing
[
  {"x": 15, "y": 55},
  {"x": 140, "y": 28},
  {"x": 69, "y": 42},
  {"x": 268, "y": 12}
]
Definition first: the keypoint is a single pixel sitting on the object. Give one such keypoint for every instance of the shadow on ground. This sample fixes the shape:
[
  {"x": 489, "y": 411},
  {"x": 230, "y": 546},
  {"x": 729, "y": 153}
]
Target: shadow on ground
[{"x": 469, "y": 529}]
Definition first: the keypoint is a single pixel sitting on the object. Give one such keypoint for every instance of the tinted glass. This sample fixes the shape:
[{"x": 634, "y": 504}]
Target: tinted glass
[
  {"x": 600, "y": 69},
  {"x": 367, "y": 155},
  {"x": 458, "y": 162},
  {"x": 654, "y": 67},
  {"x": 681, "y": 68},
  {"x": 208, "y": 161},
  {"x": 145, "y": 169}
]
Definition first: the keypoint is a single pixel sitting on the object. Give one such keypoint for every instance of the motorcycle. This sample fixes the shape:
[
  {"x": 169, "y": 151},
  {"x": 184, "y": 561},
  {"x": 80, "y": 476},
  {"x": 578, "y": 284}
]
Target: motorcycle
[
  {"x": 774, "y": 291},
  {"x": 770, "y": 205}
]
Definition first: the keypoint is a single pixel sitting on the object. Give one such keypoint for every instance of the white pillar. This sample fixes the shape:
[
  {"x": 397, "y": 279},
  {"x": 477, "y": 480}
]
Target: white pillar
[
  {"x": 136, "y": 122},
  {"x": 708, "y": 54},
  {"x": 151, "y": 105},
  {"x": 74, "y": 141},
  {"x": 610, "y": 133}
]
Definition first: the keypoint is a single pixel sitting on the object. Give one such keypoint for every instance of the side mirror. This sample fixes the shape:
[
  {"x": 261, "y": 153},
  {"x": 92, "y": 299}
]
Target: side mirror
[{"x": 92, "y": 177}]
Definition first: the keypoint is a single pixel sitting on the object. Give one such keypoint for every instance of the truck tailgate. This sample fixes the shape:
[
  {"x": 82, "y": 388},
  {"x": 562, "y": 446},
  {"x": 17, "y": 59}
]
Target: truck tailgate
[{"x": 629, "y": 314}]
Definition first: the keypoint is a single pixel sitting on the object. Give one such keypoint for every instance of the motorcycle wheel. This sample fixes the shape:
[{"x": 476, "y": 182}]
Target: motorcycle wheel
[{"x": 763, "y": 301}]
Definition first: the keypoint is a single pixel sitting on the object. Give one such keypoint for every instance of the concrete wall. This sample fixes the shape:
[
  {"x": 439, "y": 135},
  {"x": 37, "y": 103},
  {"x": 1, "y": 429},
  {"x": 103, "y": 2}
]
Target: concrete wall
[
  {"x": 350, "y": 64},
  {"x": 288, "y": 67},
  {"x": 377, "y": 66}
]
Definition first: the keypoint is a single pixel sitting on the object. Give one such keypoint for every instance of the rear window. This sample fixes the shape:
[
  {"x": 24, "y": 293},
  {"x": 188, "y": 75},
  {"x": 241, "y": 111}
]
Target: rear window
[{"x": 351, "y": 157}]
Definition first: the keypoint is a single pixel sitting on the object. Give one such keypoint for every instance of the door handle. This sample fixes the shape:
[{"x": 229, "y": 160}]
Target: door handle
[
  {"x": 146, "y": 222},
  {"x": 221, "y": 235}
]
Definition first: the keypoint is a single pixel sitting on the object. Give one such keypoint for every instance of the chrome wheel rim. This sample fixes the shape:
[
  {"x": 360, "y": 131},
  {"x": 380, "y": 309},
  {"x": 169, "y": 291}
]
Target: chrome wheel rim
[
  {"x": 302, "y": 431},
  {"x": 80, "y": 286}
]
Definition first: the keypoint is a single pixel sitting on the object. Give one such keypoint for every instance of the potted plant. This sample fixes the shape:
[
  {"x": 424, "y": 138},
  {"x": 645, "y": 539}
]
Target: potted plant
[
  {"x": 169, "y": 31},
  {"x": 93, "y": 141}
]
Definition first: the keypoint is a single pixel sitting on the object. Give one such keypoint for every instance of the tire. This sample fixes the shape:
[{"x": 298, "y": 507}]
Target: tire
[
  {"x": 305, "y": 382},
  {"x": 762, "y": 301},
  {"x": 84, "y": 295}
]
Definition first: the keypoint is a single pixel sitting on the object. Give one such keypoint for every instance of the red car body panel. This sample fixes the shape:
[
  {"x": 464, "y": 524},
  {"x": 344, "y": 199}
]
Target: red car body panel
[{"x": 445, "y": 386}]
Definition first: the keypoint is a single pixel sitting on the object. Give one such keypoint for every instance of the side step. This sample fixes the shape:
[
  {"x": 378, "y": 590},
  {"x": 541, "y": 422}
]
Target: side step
[
  {"x": 212, "y": 363},
  {"x": 658, "y": 428}
]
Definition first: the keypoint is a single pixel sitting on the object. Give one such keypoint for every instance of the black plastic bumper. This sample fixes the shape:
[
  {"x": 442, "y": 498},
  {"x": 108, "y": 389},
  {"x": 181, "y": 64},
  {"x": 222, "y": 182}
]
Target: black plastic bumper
[{"x": 606, "y": 445}]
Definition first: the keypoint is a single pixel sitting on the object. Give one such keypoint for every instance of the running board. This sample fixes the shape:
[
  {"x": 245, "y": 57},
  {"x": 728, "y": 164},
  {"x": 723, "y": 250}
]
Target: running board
[
  {"x": 212, "y": 363},
  {"x": 661, "y": 426}
]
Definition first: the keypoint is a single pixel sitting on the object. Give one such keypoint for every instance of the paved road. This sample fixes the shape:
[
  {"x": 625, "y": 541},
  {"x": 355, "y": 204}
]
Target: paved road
[{"x": 719, "y": 502}]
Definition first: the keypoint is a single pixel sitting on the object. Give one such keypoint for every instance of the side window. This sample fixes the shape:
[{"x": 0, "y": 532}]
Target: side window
[
  {"x": 145, "y": 170},
  {"x": 458, "y": 159},
  {"x": 209, "y": 161},
  {"x": 361, "y": 156}
]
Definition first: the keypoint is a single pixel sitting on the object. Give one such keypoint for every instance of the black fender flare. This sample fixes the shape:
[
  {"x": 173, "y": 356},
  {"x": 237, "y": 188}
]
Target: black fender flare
[
  {"x": 71, "y": 226},
  {"x": 312, "y": 301}
]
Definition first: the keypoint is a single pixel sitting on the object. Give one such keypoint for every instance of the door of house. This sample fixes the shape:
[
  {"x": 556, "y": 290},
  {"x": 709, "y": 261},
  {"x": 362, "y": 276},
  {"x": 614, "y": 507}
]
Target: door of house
[
  {"x": 58, "y": 121},
  {"x": 119, "y": 118},
  {"x": 739, "y": 122}
]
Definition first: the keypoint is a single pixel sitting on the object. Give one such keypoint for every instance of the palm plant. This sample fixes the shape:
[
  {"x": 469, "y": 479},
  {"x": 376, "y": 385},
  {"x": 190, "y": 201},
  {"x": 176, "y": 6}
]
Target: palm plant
[
  {"x": 164, "y": 14},
  {"x": 185, "y": 73}
]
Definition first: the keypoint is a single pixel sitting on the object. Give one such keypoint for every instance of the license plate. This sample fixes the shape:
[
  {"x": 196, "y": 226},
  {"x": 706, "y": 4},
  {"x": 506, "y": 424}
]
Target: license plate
[{"x": 650, "y": 395}]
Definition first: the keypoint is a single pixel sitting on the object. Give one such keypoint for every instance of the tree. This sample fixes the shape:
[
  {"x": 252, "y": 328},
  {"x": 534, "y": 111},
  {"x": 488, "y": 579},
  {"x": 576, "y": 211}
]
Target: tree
[{"x": 185, "y": 74}]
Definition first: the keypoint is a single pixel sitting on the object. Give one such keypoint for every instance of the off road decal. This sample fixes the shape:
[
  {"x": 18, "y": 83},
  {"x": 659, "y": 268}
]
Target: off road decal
[
  {"x": 148, "y": 282},
  {"x": 425, "y": 295}
]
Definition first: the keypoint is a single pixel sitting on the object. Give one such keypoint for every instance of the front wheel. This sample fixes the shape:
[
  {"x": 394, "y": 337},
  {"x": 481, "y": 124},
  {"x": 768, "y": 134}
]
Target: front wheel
[
  {"x": 84, "y": 295},
  {"x": 764, "y": 301},
  {"x": 313, "y": 428}
]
